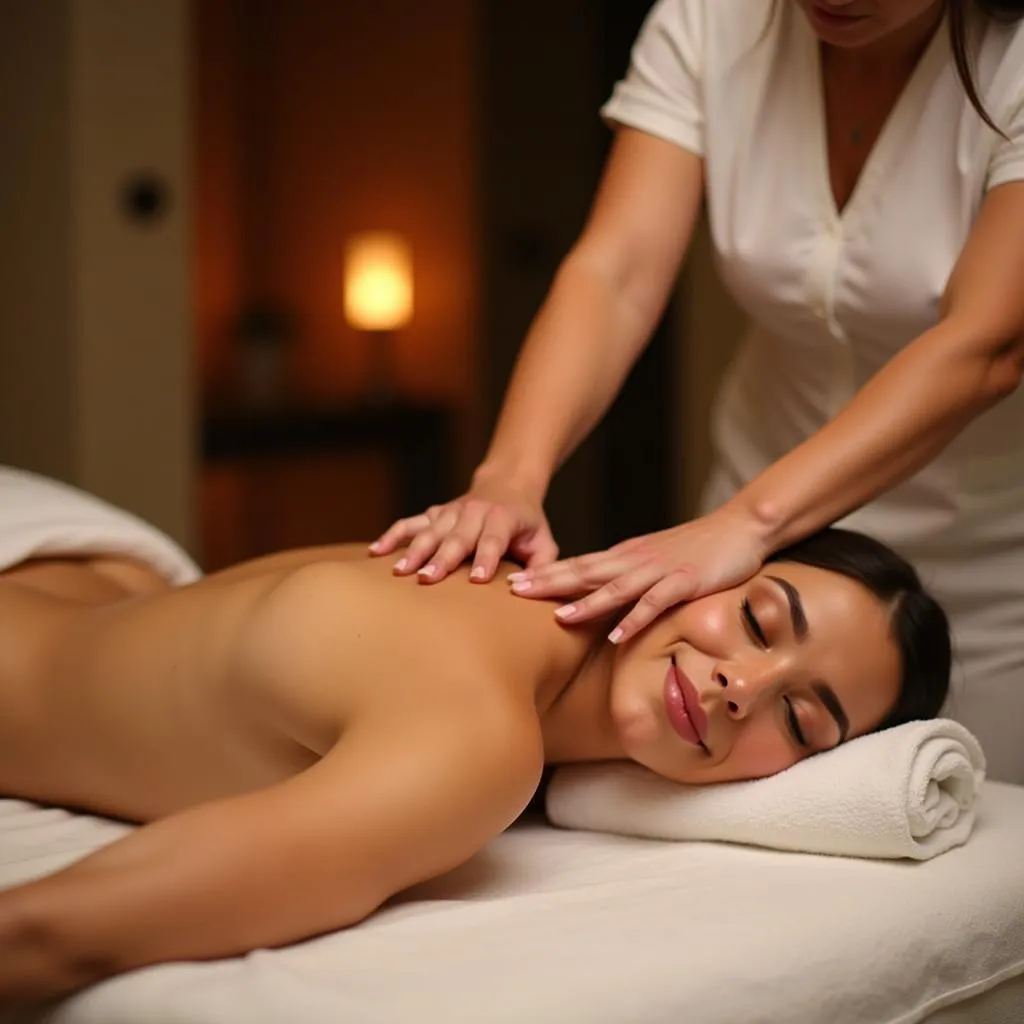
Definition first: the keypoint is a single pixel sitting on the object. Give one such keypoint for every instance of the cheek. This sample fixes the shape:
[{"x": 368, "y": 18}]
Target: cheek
[
  {"x": 759, "y": 750},
  {"x": 633, "y": 711},
  {"x": 709, "y": 623}
]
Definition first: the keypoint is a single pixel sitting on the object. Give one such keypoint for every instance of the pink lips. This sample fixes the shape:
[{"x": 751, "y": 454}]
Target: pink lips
[{"x": 682, "y": 705}]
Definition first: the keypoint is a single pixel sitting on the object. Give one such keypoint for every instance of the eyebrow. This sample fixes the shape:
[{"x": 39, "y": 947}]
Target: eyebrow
[
  {"x": 823, "y": 691},
  {"x": 828, "y": 698},
  {"x": 796, "y": 607}
]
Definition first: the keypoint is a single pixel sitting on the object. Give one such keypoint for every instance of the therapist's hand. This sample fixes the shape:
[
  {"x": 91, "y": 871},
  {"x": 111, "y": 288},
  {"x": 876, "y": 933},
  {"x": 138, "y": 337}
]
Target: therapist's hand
[
  {"x": 657, "y": 571},
  {"x": 490, "y": 521}
]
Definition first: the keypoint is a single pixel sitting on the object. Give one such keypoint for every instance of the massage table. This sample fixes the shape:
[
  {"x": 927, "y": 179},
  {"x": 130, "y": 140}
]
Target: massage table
[{"x": 549, "y": 926}]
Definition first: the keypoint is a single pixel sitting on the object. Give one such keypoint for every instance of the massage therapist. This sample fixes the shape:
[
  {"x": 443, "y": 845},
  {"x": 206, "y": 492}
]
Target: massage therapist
[{"x": 862, "y": 162}]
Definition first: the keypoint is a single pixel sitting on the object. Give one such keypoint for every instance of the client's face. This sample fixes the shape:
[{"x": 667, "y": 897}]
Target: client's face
[{"x": 749, "y": 681}]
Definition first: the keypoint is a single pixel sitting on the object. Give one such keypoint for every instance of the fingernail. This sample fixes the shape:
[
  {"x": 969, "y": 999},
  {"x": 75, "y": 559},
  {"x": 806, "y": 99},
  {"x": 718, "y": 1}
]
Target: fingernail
[
  {"x": 515, "y": 577},
  {"x": 427, "y": 570},
  {"x": 615, "y": 635},
  {"x": 522, "y": 586},
  {"x": 401, "y": 565},
  {"x": 478, "y": 573},
  {"x": 375, "y": 546},
  {"x": 566, "y": 611}
]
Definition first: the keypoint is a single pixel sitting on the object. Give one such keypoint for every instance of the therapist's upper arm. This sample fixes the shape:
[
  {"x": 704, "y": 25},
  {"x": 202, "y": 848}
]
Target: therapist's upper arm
[
  {"x": 643, "y": 217},
  {"x": 985, "y": 292}
]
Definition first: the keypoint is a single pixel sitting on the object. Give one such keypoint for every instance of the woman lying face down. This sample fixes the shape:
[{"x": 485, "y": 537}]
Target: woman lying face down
[{"x": 304, "y": 736}]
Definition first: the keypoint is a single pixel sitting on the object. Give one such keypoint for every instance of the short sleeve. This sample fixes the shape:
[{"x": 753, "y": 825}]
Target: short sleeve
[
  {"x": 662, "y": 92},
  {"x": 1007, "y": 162}
]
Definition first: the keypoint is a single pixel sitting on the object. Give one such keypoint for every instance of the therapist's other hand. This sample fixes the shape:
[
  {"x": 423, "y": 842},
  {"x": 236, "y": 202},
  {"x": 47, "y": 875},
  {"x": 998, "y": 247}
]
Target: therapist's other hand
[
  {"x": 657, "y": 571},
  {"x": 490, "y": 521}
]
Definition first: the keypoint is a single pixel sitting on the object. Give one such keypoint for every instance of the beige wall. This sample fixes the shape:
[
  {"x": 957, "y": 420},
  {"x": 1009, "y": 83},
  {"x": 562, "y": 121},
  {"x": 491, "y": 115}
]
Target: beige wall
[
  {"x": 710, "y": 326},
  {"x": 37, "y": 406},
  {"x": 95, "y": 332}
]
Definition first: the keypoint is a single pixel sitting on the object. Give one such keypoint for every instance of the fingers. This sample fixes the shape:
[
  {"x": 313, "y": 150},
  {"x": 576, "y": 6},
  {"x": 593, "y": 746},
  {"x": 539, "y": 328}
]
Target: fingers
[
  {"x": 539, "y": 550},
  {"x": 666, "y": 593},
  {"x": 442, "y": 538},
  {"x": 425, "y": 544},
  {"x": 614, "y": 594},
  {"x": 656, "y": 594},
  {"x": 493, "y": 544},
  {"x": 453, "y": 536},
  {"x": 462, "y": 537},
  {"x": 399, "y": 534},
  {"x": 632, "y": 544},
  {"x": 577, "y": 575},
  {"x": 609, "y": 582}
]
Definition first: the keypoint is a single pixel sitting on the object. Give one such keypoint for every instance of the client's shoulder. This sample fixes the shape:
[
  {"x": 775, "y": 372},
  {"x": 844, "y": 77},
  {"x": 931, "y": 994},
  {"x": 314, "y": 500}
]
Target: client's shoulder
[
  {"x": 483, "y": 748},
  {"x": 354, "y": 639}
]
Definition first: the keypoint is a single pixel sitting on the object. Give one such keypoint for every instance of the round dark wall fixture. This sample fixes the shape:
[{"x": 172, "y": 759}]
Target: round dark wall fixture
[{"x": 145, "y": 198}]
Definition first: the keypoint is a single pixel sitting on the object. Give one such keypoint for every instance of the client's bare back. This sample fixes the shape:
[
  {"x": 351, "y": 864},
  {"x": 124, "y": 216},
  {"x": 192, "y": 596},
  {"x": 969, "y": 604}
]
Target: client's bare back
[
  {"x": 123, "y": 696},
  {"x": 117, "y": 692}
]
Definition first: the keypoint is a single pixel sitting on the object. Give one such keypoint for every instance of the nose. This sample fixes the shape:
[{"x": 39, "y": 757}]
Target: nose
[{"x": 745, "y": 687}]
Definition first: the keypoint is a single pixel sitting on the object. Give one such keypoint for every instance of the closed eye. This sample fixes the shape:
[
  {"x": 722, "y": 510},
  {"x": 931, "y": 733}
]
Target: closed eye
[
  {"x": 752, "y": 625},
  {"x": 794, "y": 723}
]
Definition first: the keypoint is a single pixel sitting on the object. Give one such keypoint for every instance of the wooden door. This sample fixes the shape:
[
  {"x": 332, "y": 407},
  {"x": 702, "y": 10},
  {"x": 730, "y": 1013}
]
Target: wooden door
[{"x": 95, "y": 311}]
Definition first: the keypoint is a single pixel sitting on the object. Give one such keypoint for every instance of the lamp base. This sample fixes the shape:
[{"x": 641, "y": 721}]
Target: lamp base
[{"x": 381, "y": 391}]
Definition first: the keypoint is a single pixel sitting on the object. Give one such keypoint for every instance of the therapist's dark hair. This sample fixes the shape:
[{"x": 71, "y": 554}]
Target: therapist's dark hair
[
  {"x": 919, "y": 625},
  {"x": 959, "y": 16}
]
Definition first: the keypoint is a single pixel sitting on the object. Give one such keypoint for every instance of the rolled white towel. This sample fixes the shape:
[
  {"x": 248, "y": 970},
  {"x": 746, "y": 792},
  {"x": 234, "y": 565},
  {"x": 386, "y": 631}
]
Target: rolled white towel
[
  {"x": 907, "y": 792},
  {"x": 40, "y": 517}
]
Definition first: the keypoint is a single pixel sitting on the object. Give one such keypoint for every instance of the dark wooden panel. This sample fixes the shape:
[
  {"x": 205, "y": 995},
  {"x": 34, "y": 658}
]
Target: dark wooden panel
[{"x": 545, "y": 71}]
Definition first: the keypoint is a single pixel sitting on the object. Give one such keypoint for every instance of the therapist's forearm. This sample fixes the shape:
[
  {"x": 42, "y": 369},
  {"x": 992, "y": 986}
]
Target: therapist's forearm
[
  {"x": 894, "y": 426},
  {"x": 578, "y": 352}
]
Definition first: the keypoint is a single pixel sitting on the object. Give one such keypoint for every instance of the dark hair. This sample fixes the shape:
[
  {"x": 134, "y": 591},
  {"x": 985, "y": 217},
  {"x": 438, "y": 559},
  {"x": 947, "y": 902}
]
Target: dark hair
[
  {"x": 919, "y": 625},
  {"x": 959, "y": 12}
]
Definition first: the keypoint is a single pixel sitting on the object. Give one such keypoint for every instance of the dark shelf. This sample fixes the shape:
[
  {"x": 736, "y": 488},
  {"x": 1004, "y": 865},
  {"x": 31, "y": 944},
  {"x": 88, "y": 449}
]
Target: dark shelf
[{"x": 418, "y": 437}]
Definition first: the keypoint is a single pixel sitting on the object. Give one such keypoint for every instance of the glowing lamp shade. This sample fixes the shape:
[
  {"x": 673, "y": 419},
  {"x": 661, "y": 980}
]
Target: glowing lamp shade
[{"x": 378, "y": 281}]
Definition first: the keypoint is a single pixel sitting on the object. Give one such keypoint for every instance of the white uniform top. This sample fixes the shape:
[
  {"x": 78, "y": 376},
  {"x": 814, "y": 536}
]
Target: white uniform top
[{"x": 833, "y": 295}]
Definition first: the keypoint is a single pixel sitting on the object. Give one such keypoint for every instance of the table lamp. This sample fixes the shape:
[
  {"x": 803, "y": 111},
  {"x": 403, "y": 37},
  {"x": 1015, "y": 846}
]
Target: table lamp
[{"x": 379, "y": 300}]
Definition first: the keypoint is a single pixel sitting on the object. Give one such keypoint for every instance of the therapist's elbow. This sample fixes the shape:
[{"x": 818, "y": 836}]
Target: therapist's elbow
[
  {"x": 987, "y": 358},
  {"x": 1004, "y": 370}
]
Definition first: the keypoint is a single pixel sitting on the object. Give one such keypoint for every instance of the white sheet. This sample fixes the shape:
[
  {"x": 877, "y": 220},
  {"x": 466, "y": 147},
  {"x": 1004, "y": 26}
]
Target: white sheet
[
  {"x": 40, "y": 517},
  {"x": 556, "y": 927}
]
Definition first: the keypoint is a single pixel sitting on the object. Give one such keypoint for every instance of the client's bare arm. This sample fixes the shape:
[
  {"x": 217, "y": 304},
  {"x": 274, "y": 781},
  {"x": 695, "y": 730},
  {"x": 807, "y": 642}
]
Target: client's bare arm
[{"x": 394, "y": 803}]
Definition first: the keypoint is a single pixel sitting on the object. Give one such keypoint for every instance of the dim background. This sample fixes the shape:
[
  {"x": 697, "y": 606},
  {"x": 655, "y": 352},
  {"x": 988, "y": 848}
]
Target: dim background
[{"x": 177, "y": 175}]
